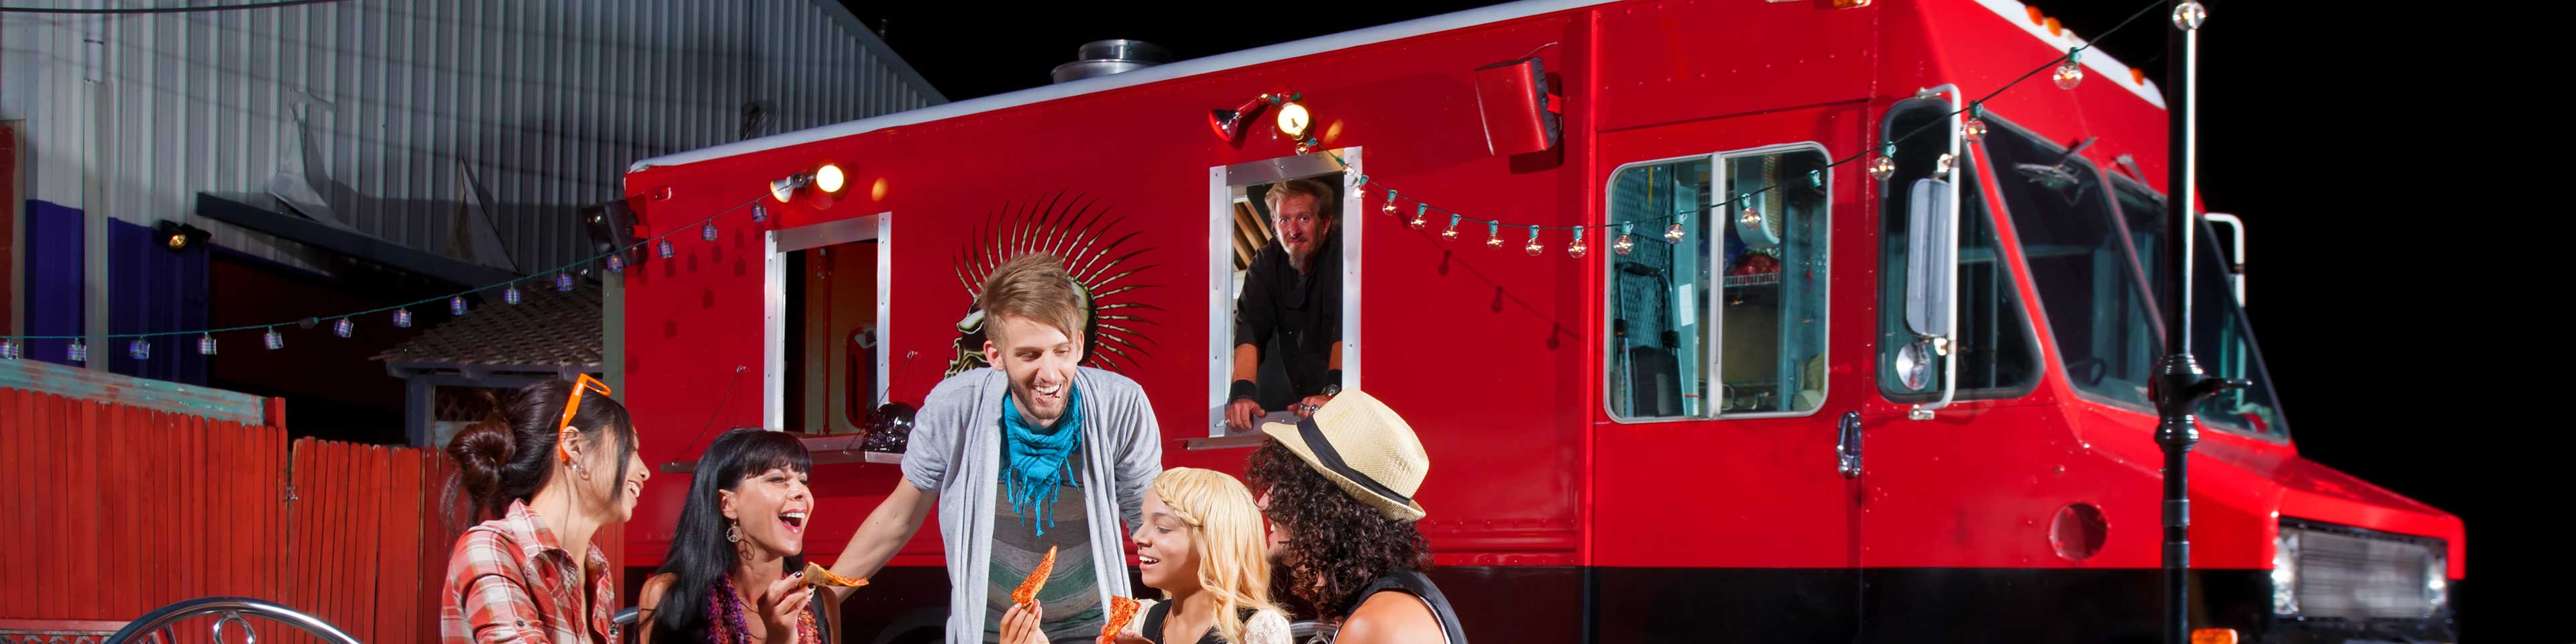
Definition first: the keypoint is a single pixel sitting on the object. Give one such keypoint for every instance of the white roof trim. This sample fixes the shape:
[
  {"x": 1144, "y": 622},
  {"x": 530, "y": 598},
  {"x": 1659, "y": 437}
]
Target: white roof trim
[
  {"x": 2101, "y": 62},
  {"x": 1192, "y": 67}
]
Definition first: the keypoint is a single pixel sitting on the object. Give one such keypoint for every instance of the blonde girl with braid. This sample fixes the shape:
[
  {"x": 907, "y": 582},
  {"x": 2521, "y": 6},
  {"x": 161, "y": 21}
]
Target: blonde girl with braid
[{"x": 1203, "y": 545}]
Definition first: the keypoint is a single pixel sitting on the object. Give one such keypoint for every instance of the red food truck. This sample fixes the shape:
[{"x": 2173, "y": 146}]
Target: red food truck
[{"x": 1721, "y": 321}]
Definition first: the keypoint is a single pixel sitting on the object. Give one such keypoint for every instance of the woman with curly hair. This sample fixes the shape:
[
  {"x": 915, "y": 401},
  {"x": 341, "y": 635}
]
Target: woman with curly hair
[{"x": 1338, "y": 491}]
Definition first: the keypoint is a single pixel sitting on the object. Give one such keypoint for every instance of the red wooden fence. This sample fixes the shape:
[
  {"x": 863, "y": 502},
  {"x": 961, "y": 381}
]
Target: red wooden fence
[{"x": 109, "y": 511}]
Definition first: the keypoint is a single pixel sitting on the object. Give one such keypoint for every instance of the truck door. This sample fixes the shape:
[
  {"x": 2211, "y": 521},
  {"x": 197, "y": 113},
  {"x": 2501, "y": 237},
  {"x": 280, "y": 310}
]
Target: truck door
[{"x": 1719, "y": 513}]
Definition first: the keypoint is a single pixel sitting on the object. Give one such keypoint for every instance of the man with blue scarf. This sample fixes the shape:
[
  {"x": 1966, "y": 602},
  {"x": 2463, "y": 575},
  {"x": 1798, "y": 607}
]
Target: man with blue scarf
[{"x": 1032, "y": 454}]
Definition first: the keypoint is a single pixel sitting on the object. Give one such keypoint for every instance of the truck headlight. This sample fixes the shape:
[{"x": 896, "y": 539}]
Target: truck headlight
[
  {"x": 2437, "y": 582},
  {"x": 2285, "y": 573}
]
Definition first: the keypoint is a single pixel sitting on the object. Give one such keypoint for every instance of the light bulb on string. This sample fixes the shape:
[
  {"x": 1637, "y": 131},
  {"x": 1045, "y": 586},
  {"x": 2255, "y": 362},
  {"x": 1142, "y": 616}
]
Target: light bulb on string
[
  {"x": 79, "y": 351},
  {"x": 759, "y": 213},
  {"x": 273, "y": 340},
  {"x": 1307, "y": 146},
  {"x": 1748, "y": 218},
  {"x": 1576, "y": 249},
  {"x": 456, "y": 305},
  {"x": 1390, "y": 203},
  {"x": 663, "y": 249},
  {"x": 1975, "y": 129},
  {"x": 829, "y": 178},
  {"x": 1673, "y": 234},
  {"x": 617, "y": 263},
  {"x": 1359, "y": 181},
  {"x": 8, "y": 349},
  {"x": 1882, "y": 164},
  {"x": 1452, "y": 233},
  {"x": 1532, "y": 247},
  {"x": 139, "y": 349},
  {"x": 1493, "y": 235},
  {"x": 1420, "y": 211},
  {"x": 511, "y": 294},
  {"x": 1816, "y": 178},
  {"x": 708, "y": 231},
  {"x": 343, "y": 327},
  {"x": 563, "y": 281},
  {"x": 2071, "y": 72},
  {"x": 1625, "y": 243},
  {"x": 206, "y": 344},
  {"x": 402, "y": 318}
]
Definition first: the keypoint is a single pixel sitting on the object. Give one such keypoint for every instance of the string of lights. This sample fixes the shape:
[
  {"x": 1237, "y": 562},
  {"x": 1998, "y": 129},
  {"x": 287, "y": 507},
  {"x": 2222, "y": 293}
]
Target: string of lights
[{"x": 139, "y": 345}]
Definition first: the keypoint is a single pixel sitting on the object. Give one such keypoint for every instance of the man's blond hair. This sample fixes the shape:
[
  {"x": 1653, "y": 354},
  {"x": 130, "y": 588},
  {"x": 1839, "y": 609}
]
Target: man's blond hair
[{"x": 1034, "y": 286}]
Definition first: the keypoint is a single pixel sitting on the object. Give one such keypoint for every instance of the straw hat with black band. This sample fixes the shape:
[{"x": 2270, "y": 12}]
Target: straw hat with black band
[{"x": 1364, "y": 447}]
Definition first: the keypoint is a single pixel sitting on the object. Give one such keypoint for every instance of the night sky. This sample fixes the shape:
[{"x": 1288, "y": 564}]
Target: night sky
[{"x": 2317, "y": 128}]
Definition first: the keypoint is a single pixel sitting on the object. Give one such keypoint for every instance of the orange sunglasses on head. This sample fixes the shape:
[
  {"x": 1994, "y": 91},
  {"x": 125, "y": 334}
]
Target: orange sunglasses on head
[{"x": 586, "y": 383}]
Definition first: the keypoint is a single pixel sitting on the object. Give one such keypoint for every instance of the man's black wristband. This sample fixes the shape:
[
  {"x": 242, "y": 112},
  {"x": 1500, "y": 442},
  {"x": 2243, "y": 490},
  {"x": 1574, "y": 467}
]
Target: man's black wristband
[{"x": 1242, "y": 390}]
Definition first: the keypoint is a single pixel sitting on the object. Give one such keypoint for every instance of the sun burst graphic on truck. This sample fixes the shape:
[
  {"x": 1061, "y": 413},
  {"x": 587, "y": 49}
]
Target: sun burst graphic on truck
[{"x": 1096, "y": 248}]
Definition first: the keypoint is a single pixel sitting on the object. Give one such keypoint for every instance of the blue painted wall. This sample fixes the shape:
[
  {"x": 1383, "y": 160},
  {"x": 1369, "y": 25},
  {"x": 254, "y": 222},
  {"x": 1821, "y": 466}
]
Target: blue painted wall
[
  {"x": 53, "y": 273},
  {"x": 152, "y": 288}
]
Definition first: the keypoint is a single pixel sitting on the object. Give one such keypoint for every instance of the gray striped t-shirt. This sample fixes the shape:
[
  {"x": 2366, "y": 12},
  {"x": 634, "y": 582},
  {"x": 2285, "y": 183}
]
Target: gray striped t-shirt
[{"x": 1072, "y": 606}]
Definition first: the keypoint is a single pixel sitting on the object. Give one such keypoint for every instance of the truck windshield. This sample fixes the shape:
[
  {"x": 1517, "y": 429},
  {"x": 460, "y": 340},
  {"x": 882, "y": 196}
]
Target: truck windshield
[
  {"x": 2089, "y": 287},
  {"x": 2221, "y": 339}
]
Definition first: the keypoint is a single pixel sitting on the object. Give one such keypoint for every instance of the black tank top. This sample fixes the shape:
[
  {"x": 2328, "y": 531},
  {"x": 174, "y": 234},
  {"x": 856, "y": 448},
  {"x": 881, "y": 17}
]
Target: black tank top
[
  {"x": 1413, "y": 582},
  {"x": 1153, "y": 627}
]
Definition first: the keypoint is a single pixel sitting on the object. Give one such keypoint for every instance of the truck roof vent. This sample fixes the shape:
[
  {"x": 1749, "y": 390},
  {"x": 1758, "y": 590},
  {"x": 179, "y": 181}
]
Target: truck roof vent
[{"x": 1105, "y": 57}]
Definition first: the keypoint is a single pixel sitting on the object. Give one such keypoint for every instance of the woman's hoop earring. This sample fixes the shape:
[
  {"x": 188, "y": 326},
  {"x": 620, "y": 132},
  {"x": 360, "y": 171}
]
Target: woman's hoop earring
[{"x": 733, "y": 533}]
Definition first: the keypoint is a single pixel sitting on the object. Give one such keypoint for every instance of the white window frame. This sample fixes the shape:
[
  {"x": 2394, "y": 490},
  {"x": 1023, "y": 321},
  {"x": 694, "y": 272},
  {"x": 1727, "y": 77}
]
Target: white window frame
[
  {"x": 1223, "y": 182},
  {"x": 1713, "y": 332},
  {"x": 775, "y": 245}
]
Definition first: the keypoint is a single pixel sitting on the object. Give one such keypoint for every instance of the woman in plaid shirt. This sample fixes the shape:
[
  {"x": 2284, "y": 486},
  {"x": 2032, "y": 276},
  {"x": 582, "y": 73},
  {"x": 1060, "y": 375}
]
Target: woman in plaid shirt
[{"x": 551, "y": 470}]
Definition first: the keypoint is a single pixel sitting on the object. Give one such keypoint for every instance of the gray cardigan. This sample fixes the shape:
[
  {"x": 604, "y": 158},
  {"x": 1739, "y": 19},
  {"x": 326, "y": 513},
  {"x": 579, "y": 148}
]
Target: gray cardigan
[{"x": 956, "y": 451}]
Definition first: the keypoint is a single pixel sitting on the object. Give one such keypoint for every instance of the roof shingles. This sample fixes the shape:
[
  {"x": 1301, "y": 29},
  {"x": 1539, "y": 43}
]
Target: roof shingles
[{"x": 546, "y": 331}]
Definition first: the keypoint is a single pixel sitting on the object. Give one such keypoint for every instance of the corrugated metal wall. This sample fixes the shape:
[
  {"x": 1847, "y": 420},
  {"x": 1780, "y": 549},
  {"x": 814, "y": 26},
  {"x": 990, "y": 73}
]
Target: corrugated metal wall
[{"x": 540, "y": 104}]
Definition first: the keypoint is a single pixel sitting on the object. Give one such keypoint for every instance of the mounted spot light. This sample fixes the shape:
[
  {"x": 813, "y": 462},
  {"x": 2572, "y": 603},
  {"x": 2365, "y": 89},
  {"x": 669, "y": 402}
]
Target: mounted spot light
[
  {"x": 178, "y": 236},
  {"x": 1229, "y": 123},
  {"x": 784, "y": 188}
]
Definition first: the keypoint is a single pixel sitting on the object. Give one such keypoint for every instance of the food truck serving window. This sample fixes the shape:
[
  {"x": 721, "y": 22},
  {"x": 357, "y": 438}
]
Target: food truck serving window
[
  {"x": 1717, "y": 304},
  {"x": 828, "y": 285},
  {"x": 1286, "y": 267}
]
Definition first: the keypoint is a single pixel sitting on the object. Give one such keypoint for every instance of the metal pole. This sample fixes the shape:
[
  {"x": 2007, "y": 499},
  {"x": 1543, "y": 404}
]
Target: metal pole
[{"x": 2180, "y": 385}]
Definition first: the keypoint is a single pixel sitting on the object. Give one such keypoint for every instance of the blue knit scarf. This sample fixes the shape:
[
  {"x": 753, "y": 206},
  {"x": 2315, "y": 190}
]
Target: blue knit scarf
[{"x": 1037, "y": 457}]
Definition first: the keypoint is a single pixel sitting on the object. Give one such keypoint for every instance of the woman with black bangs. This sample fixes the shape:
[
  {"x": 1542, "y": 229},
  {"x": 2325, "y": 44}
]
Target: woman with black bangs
[
  {"x": 1338, "y": 490},
  {"x": 737, "y": 559}
]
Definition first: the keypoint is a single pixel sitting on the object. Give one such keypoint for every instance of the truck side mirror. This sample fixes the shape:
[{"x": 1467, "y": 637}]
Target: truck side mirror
[{"x": 1932, "y": 252}]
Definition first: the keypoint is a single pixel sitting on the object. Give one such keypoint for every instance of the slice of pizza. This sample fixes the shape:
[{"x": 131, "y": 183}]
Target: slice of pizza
[
  {"x": 817, "y": 575},
  {"x": 1121, "y": 611},
  {"x": 1028, "y": 590}
]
